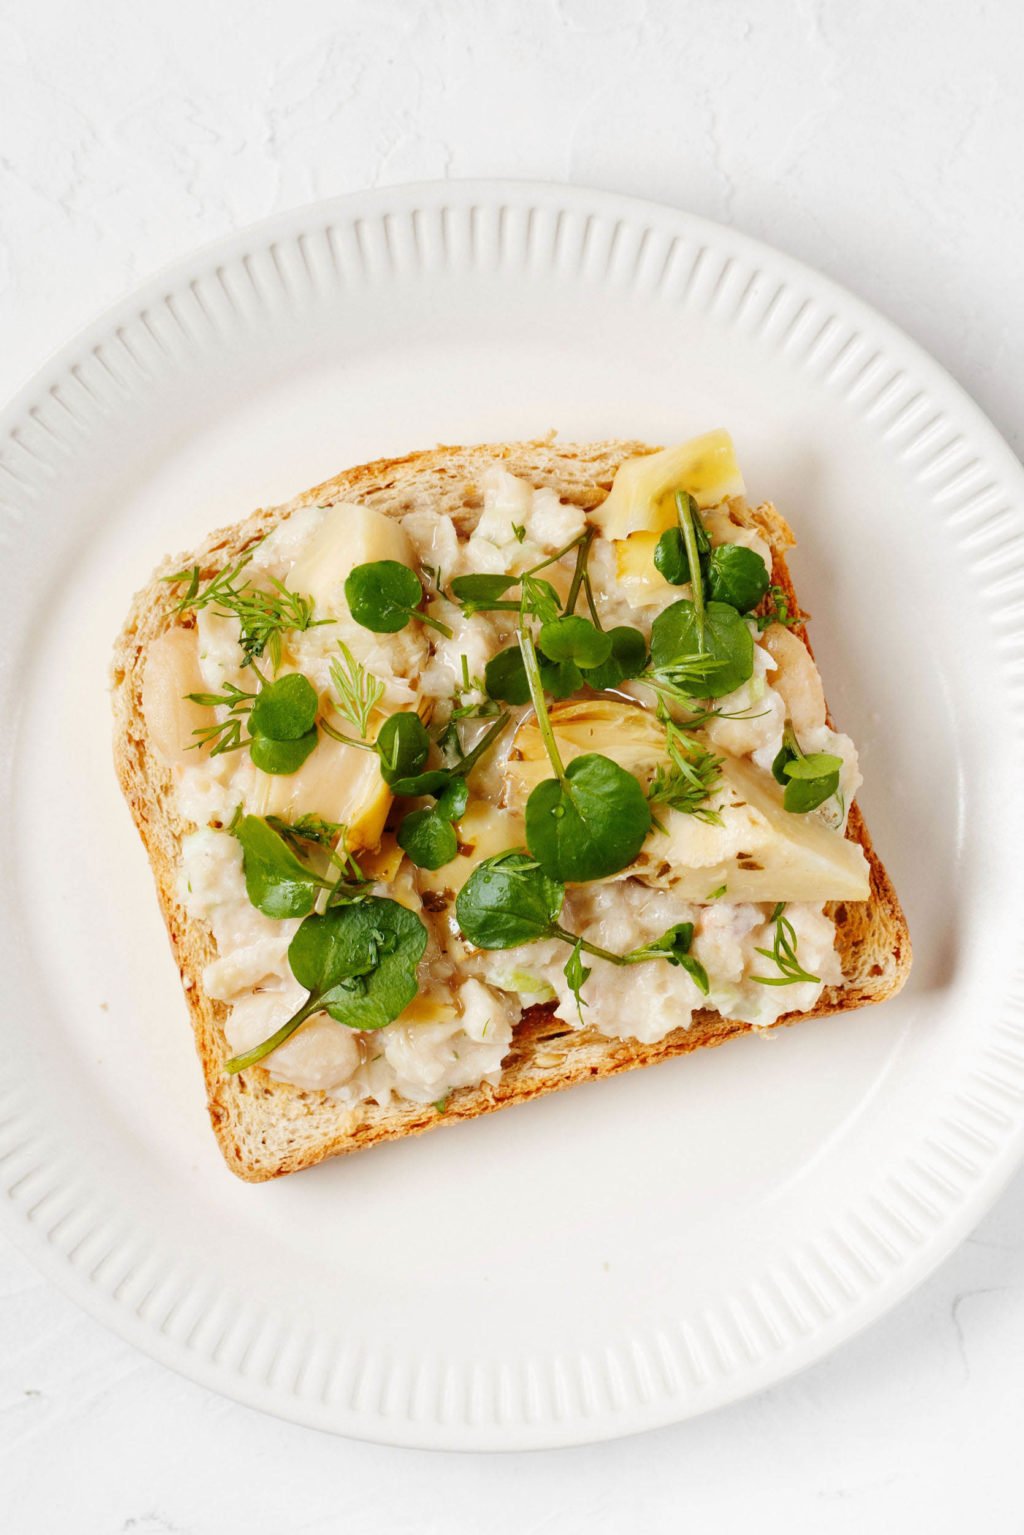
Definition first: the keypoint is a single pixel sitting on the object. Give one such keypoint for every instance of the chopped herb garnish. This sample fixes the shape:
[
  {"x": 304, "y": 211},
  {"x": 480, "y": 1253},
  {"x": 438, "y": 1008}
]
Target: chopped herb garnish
[{"x": 783, "y": 954}]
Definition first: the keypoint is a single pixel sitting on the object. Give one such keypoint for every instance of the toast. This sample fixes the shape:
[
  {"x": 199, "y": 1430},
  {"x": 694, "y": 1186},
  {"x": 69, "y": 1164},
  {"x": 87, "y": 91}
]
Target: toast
[{"x": 266, "y": 1128}]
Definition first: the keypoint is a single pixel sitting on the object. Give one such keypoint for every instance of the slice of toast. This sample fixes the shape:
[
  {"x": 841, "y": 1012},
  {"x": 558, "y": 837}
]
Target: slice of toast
[{"x": 267, "y": 1128}]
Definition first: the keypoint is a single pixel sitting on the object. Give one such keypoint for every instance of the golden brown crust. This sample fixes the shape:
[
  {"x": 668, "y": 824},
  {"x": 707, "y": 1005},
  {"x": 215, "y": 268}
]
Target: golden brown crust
[{"x": 266, "y": 1128}]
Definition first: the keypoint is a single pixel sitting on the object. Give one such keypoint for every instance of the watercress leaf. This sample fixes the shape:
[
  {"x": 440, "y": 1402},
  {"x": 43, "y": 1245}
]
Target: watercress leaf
[
  {"x": 402, "y": 745},
  {"x": 670, "y": 558},
  {"x": 433, "y": 781},
  {"x": 574, "y": 639},
  {"x": 382, "y": 595},
  {"x": 428, "y": 838},
  {"x": 723, "y": 664},
  {"x": 628, "y": 658},
  {"x": 577, "y": 974},
  {"x": 281, "y": 757},
  {"x": 695, "y": 970},
  {"x": 508, "y": 900},
  {"x": 453, "y": 799},
  {"x": 675, "y": 943},
  {"x": 738, "y": 576},
  {"x": 816, "y": 765},
  {"x": 277, "y": 882},
  {"x": 505, "y": 677},
  {"x": 560, "y": 678},
  {"x": 590, "y": 826},
  {"x": 284, "y": 710},
  {"x": 785, "y": 755},
  {"x": 481, "y": 588},
  {"x": 359, "y": 960},
  {"x": 804, "y": 794}
]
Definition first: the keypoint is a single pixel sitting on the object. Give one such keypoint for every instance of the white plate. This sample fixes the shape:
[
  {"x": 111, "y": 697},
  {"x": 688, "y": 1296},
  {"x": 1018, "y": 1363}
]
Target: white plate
[{"x": 636, "y": 1251}]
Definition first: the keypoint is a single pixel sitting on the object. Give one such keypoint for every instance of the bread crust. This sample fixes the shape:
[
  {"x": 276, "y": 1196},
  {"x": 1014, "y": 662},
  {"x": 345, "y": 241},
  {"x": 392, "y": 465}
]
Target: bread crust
[{"x": 266, "y": 1128}]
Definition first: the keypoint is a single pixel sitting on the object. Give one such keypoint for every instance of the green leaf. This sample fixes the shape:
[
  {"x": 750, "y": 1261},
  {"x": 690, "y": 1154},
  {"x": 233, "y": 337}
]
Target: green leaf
[
  {"x": 670, "y": 557},
  {"x": 281, "y": 757},
  {"x": 628, "y": 658},
  {"x": 726, "y": 660},
  {"x": 382, "y": 595},
  {"x": 284, "y": 710},
  {"x": 816, "y": 765},
  {"x": 788, "y": 752},
  {"x": 433, "y": 781},
  {"x": 577, "y": 974},
  {"x": 805, "y": 794},
  {"x": 508, "y": 900},
  {"x": 589, "y": 825},
  {"x": 675, "y": 947},
  {"x": 453, "y": 799},
  {"x": 505, "y": 677},
  {"x": 574, "y": 639},
  {"x": 481, "y": 588},
  {"x": 359, "y": 961},
  {"x": 539, "y": 598},
  {"x": 738, "y": 576},
  {"x": 277, "y": 882},
  {"x": 403, "y": 746},
  {"x": 428, "y": 838}
]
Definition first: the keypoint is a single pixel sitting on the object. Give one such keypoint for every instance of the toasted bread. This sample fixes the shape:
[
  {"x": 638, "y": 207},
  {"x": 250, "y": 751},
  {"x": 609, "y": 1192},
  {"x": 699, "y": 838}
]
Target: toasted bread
[{"x": 266, "y": 1128}]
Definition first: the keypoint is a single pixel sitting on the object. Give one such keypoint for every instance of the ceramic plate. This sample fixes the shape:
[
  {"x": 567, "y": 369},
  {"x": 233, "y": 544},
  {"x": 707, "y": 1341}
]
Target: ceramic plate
[{"x": 625, "y": 1254}]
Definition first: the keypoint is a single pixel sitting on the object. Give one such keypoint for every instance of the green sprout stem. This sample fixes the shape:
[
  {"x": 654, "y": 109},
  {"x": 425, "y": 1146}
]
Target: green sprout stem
[
  {"x": 689, "y": 533},
  {"x": 533, "y": 677},
  {"x": 578, "y": 575}
]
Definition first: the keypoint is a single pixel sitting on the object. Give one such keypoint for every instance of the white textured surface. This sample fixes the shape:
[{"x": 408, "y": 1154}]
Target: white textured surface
[{"x": 124, "y": 148}]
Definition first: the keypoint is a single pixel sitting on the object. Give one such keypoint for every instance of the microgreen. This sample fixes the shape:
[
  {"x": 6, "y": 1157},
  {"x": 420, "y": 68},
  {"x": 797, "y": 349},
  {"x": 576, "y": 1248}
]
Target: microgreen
[
  {"x": 223, "y": 735},
  {"x": 671, "y": 554},
  {"x": 519, "y": 531},
  {"x": 508, "y": 900},
  {"x": 284, "y": 710},
  {"x": 277, "y": 882},
  {"x": 627, "y": 659},
  {"x": 263, "y": 616},
  {"x": 357, "y": 691},
  {"x": 710, "y": 667},
  {"x": 428, "y": 836},
  {"x": 591, "y": 819},
  {"x": 689, "y": 779},
  {"x": 505, "y": 677},
  {"x": 737, "y": 575},
  {"x": 575, "y": 639},
  {"x": 577, "y": 974},
  {"x": 808, "y": 780},
  {"x": 783, "y": 954},
  {"x": 358, "y": 964},
  {"x": 778, "y": 611},
  {"x": 384, "y": 594},
  {"x": 281, "y": 720}
]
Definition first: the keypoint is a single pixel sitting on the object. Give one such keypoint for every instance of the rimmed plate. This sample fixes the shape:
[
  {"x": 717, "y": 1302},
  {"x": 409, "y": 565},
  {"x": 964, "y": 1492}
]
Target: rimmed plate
[{"x": 656, "y": 1245}]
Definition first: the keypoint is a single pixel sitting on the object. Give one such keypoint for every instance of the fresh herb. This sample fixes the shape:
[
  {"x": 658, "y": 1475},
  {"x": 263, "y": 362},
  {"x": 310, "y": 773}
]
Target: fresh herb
[
  {"x": 403, "y": 746},
  {"x": 480, "y": 591},
  {"x": 672, "y": 552},
  {"x": 807, "y": 779},
  {"x": 505, "y": 677},
  {"x": 281, "y": 721},
  {"x": 224, "y": 735},
  {"x": 689, "y": 779},
  {"x": 307, "y": 829},
  {"x": 576, "y": 974},
  {"x": 277, "y": 882},
  {"x": 519, "y": 531},
  {"x": 357, "y": 691},
  {"x": 783, "y": 954},
  {"x": 675, "y": 947},
  {"x": 778, "y": 611},
  {"x": 591, "y": 819},
  {"x": 627, "y": 659},
  {"x": 716, "y": 895},
  {"x": 701, "y": 667},
  {"x": 538, "y": 599},
  {"x": 358, "y": 964},
  {"x": 441, "y": 1105},
  {"x": 428, "y": 836},
  {"x": 508, "y": 900},
  {"x": 263, "y": 616},
  {"x": 384, "y": 594},
  {"x": 574, "y": 639},
  {"x": 737, "y": 575}
]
